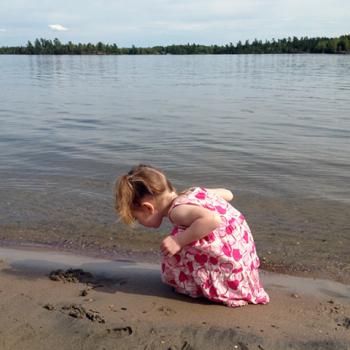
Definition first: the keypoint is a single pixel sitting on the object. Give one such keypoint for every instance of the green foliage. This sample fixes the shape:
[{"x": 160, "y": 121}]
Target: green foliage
[{"x": 280, "y": 46}]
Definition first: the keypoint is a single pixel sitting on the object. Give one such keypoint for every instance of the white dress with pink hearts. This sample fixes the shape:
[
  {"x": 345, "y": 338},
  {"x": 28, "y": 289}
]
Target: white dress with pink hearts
[{"x": 222, "y": 266}]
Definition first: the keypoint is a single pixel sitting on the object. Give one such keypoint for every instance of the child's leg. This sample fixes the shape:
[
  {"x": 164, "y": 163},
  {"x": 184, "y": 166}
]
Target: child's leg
[{"x": 179, "y": 277}]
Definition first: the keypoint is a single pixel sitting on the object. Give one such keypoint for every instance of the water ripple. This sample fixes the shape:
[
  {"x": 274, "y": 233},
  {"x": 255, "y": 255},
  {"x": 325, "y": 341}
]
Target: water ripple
[{"x": 270, "y": 123}]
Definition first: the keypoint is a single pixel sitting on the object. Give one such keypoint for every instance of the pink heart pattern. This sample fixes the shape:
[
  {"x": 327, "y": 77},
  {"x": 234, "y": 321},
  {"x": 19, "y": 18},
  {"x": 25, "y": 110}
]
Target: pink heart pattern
[{"x": 223, "y": 266}]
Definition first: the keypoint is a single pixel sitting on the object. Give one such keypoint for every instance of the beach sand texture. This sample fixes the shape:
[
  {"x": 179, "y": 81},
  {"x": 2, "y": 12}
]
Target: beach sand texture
[{"x": 124, "y": 305}]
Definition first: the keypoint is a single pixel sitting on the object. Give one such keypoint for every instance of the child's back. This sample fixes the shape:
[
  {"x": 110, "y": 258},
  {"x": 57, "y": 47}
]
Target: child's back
[{"x": 222, "y": 266}]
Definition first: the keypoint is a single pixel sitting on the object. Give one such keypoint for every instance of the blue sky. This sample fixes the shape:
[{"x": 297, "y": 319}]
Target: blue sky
[{"x": 163, "y": 22}]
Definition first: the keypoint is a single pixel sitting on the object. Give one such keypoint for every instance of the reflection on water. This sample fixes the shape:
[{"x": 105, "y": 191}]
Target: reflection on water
[{"x": 270, "y": 124}]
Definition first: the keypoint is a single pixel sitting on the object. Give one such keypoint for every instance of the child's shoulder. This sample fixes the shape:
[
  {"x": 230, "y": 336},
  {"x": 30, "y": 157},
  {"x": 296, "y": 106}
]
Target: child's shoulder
[
  {"x": 196, "y": 195},
  {"x": 189, "y": 196},
  {"x": 193, "y": 192}
]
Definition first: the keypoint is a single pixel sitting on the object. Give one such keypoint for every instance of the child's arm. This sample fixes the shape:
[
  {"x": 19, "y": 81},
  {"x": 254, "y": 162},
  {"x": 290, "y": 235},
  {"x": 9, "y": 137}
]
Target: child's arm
[
  {"x": 199, "y": 222},
  {"x": 222, "y": 192}
]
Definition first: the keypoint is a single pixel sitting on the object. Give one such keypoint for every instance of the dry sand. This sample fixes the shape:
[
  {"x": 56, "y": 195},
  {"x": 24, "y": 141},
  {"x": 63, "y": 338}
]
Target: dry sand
[{"x": 124, "y": 305}]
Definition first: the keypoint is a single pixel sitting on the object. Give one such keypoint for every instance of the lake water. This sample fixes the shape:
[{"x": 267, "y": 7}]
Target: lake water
[
  {"x": 271, "y": 124},
  {"x": 275, "y": 129}
]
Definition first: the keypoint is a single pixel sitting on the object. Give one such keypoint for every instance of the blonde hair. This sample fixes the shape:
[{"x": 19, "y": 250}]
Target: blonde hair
[{"x": 132, "y": 187}]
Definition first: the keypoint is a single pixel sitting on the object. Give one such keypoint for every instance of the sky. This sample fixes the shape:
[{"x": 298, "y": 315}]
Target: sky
[{"x": 163, "y": 22}]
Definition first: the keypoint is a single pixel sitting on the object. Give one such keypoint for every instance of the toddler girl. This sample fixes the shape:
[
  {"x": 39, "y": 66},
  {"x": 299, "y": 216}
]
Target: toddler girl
[{"x": 210, "y": 251}]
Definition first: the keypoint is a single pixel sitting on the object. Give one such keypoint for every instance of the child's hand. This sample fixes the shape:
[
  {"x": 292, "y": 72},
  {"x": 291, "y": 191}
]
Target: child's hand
[{"x": 170, "y": 246}]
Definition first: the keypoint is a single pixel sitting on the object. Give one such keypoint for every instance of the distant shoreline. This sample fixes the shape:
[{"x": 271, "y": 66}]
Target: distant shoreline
[
  {"x": 323, "y": 45},
  {"x": 198, "y": 54}
]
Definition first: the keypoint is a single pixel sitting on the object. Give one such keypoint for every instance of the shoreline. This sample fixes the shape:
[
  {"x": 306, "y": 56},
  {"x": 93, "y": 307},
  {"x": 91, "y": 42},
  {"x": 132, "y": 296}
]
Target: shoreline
[
  {"x": 152, "y": 256},
  {"x": 297, "y": 236},
  {"x": 144, "y": 247},
  {"x": 132, "y": 308},
  {"x": 306, "y": 237},
  {"x": 74, "y": 259}
]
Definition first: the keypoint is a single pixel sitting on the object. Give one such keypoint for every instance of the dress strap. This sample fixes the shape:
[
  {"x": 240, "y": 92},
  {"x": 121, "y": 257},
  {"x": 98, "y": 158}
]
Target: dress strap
[{"x": 187, "y": 197}]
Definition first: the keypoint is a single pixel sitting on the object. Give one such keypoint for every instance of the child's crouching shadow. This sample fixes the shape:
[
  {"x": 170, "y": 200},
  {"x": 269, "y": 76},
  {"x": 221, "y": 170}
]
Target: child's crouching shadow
[{"x": 108, "y": 277}]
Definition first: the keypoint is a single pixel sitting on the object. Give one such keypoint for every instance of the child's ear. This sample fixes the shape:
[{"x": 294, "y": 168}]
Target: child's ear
[{"x": 149, "y": 207}]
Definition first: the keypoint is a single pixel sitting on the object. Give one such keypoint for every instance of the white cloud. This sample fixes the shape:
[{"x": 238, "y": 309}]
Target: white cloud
[
  {"x": 58, "y": 27},
  {"x": 3, "y": 30}
]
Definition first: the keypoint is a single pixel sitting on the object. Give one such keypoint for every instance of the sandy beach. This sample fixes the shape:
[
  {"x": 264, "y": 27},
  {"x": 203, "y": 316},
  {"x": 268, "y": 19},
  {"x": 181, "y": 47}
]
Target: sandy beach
[{"x": 122, "y": 304}]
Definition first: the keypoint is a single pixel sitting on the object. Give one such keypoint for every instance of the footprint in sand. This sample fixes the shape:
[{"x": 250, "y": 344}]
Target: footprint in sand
[
  {"x": 186, "y": 346},
  {"x": 345, "y": 322},
  {"x": 49, "y": 307},
  {"x": 120, "y": 332},
  {"x": 71, "y": 275},
  {"x": 78, "y": 311},
  {"x": 166, "y": 310},
  {"x": 83, "y": 293}
]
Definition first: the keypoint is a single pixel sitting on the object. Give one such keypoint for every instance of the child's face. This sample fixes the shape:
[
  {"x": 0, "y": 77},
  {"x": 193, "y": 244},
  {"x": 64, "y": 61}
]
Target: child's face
[{"x": 148, "y": 216}]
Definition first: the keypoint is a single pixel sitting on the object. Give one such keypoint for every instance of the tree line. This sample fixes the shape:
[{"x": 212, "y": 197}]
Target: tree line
[{"x": 280, "y": 46}]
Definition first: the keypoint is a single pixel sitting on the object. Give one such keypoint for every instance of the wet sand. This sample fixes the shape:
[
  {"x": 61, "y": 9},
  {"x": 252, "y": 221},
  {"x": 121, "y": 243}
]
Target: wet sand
[
  {"x": 302, "y": 237},
  {"x": 124, "y": 305}
]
